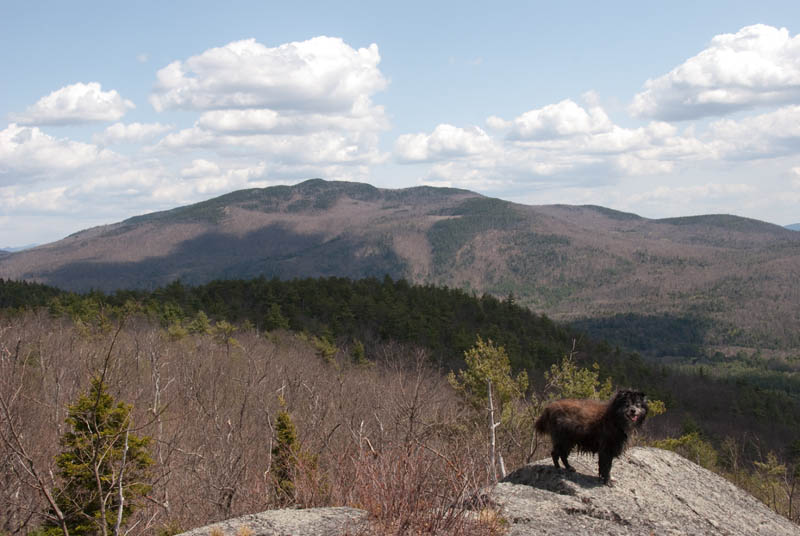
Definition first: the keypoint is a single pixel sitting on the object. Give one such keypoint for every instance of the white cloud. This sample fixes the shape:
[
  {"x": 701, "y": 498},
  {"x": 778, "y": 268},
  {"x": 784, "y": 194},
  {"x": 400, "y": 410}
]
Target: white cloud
[
  {"x": 323, "y": 147},
  {"x": 322, "y": 74},
  {"x": 200, "y": 168},
  {"x": 239, "y": 121},
  {"x": 796, "y": 178},
  {"x": 298, "y": 104},
  {"x": 446, "y": 141},
  {"x": 269, "y": 121},
  {"x": 563, "y": 119},
  {"x": 206, "y": 177},
  {"x": 758, "y": 65},
  {"x": 130, "y": 133},
  {"x": 47, "y": 200},
  {"x": 760, "y": 136},
  {"x": 562, "y": 144},
  {"x": 75, "y": 104},
  {"x": 29, "y": 152},
  {"x": 693, "y": 194}
]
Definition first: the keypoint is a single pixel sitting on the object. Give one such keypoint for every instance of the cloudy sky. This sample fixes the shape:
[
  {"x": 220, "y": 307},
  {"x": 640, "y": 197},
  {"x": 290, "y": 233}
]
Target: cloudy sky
[{"x": 111, "y": 109}]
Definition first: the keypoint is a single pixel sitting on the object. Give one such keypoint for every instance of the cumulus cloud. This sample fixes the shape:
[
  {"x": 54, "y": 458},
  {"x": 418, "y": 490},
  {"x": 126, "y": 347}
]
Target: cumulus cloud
[
  {"x": 207, "y": 177},
  {"x": 562, "y": 119},
  {"x": 130, "y": 133},
  {"x": 300, "y": 103},
  {"x": 446, "y": 141},
  {"x": 757, "y": 65},
  {"x": 323, "y": 147},
  {"x": 269, "y": 121},
  {"x": 562, "y": 143},
  {"x": 765, "y": 135},
  {"x": 75, "y": 104},
  {"x": 29, "y": 152},
  {"x": 200, "y": 168},
  {"x": 320, "y": 75},
  {"x": 46, "y": 200}
]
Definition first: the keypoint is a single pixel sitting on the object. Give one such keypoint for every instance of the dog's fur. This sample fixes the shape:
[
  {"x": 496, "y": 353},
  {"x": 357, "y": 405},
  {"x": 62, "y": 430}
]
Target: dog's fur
[{"x": 593, "y": 426}]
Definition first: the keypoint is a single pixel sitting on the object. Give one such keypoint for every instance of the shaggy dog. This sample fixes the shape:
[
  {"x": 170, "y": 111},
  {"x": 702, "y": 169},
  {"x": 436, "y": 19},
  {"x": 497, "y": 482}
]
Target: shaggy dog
[{"x": 594, "y": 426}]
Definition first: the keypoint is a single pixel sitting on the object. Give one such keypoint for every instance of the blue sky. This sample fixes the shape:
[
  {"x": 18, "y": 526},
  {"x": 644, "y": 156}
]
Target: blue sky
[{"x": 111, "y": 109}]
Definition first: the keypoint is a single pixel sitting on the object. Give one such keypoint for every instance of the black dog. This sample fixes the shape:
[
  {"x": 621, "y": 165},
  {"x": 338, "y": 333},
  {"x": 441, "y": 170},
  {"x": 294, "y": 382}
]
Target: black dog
[{"x": 593, "y": 426}]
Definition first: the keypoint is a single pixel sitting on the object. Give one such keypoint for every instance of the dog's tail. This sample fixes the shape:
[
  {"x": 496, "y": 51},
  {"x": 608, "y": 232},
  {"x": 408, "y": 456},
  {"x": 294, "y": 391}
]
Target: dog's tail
[{"x": 541, "y": 425}]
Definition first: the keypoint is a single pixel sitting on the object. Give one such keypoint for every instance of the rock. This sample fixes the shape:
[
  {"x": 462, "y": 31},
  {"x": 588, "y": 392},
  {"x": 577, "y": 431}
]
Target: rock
[
  {"x": 289, "y": 522},
  {"x": 655, "y": 492}
]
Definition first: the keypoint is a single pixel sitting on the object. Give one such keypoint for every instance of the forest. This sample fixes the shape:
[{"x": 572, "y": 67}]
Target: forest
[{"x": 258, "y": 394}]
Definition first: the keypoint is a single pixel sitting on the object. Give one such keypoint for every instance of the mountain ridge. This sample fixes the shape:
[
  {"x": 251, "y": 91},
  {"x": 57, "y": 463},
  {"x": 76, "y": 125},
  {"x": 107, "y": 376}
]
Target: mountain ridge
[{"x": 566, "y": 260}]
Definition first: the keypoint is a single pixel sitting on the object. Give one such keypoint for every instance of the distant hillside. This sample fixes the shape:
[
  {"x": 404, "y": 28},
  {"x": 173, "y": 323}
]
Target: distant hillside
[
  {"x": 794, "y": 227},
  {"x": 568, "y": 261},
  {"x": 8, "y": 249}
]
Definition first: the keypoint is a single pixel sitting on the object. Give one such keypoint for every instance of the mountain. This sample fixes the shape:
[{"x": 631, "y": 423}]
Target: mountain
[
  {"x": 567, "y": 261},
  {"x": 8, "y": 249},
  {"x": 794, "y": 227}
]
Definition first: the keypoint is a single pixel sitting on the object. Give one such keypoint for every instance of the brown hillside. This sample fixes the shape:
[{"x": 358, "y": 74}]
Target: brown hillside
[{"x": 568, "y": 261}]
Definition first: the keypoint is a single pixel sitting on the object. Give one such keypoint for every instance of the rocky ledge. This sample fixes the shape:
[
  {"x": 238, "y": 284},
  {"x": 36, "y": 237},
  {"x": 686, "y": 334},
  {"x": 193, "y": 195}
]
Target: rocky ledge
[{"x": 655, "y": 492}]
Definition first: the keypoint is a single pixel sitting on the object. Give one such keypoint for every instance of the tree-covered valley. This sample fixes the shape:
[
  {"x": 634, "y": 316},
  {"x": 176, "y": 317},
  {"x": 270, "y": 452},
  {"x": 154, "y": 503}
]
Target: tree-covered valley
[{"x": 263, "y": 393}]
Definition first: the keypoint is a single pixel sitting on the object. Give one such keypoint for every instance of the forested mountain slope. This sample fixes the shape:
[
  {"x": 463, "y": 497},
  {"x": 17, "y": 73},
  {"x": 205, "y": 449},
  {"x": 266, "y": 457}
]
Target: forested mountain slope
[{"x": 736, "y": 275}]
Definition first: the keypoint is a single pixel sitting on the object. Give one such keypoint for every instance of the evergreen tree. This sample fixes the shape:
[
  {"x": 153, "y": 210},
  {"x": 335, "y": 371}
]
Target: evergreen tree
[
  {"x": 487, "y": 384},
  {"x": 103, "y": 464},
  {"x": 358, "y": 354},
  {"x": 486, "y": 362},
  {"x": 568, "y": 380},
  {"x": 274, "y": 318},
  {"x": 285, "y": 453},
  {"x": 200, "y": 324}
]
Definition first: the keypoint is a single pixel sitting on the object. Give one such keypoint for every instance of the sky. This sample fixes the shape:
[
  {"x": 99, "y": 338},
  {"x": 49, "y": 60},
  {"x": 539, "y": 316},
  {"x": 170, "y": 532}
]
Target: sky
[{"x": 110, "y": 110}]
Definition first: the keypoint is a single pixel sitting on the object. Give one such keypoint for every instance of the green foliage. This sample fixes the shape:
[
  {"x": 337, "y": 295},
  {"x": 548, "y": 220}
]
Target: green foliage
[
  {"x": 100, "y": 454},
  {"x": 486, "y": 361},
  {"x": 22, "y": 294},
  {"x": 568, "y": 380},
  {"x": 177, "y": 332},
  {"x": 285, "y": 452},
  {"x": 290, "y": 461},
  {"x": 274, "y": 318},
  {"x": 324, "y": 346},
  {"x": 443, "y": 320},
  {"x": 657, "y": 335},
  {"x": 358, "y": 355},
  {"x": 223, "y": 333},
  {"x": 692, "y": 447},
  {"x": 199, "y": 324},
  {"x": 473, "y": 216},
  {"x": 656, "y": 408}
]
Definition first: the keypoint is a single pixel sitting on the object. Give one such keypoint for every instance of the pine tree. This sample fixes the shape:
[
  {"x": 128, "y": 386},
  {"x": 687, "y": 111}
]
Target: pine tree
[
  {"x": 103, "y": 464},
  {"x": 274, "y": 318},
  {"x": 487, "y": 383},
  {"x": 487, "y": 362},
  {"x": 568, "y": 380},
  {"x": 285, "y": 454}
]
